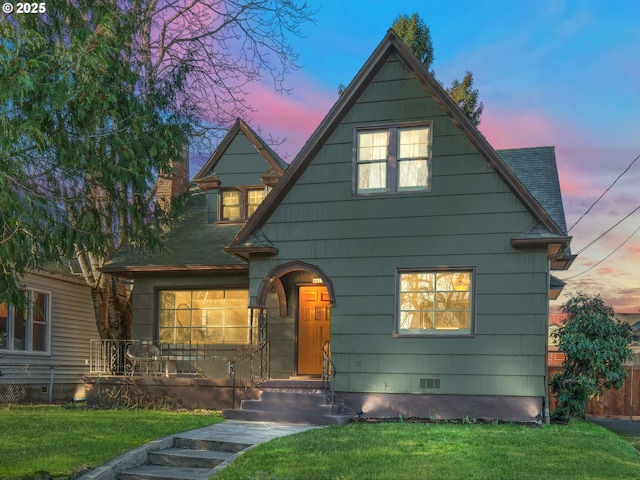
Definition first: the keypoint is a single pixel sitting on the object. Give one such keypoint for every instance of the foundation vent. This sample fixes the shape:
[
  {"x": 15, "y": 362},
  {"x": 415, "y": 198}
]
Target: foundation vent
[{"x": 429, "y": 383}]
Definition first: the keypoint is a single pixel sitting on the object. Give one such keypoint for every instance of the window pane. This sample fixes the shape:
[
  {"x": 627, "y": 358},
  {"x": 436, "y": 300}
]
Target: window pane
[
  {"x": 254, "y": 199},
  {"x": 40, "y": 309},
  {"x": 39, "y": 322},
  {"x": 39, "y": 340},
  {"x": 372, "y": 176},
  {"x": 372, "y": 145},
  {"x": 19, "y": 330},
  {"x": 413, "y": 142},
  {"x": 412, "y": 174},
  {"x": 231, "y": 205}
]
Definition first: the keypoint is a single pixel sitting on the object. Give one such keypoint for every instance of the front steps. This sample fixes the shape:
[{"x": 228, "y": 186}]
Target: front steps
[
  {"x": 192, "y": 459},
  {"x": 289, "y": 401}
]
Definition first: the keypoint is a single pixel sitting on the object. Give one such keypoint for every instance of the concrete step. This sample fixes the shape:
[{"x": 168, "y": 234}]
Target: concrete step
[
  {"x": 304, "y": 396},
  {"x": 283, "y": 416},
  {"x": 161, "y": 472},
  {"x": 205, "y": 444},
  {"x": 186, "y": 457},
  {"x": 284, "y": 407}
]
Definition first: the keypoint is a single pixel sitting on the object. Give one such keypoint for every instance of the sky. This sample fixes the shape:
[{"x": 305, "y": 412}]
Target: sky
[{"x": 550, "y": 73}]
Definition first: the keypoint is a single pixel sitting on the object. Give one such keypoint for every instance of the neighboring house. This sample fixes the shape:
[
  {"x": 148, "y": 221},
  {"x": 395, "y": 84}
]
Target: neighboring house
[
  {"x": 45, "y": 349},
  {"x": 399, "y": 242}
]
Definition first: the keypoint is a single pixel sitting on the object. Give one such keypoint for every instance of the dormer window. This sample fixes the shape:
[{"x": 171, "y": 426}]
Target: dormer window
[
  {"x": 393, "y": 159},
  {"x": 238, "y": 204}
]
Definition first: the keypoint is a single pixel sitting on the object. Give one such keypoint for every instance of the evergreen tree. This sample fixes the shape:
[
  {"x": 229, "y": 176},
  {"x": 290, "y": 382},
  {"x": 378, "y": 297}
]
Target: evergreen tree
[{"x": 416, "y": 35}]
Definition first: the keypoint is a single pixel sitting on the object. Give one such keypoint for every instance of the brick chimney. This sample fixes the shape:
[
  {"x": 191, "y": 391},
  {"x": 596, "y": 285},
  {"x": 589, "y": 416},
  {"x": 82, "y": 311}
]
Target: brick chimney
[{"x": 174, "y": 184}]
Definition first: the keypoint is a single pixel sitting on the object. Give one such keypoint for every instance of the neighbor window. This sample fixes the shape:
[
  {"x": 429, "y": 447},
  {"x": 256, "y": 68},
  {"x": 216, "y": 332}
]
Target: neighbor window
[
  {"x": 393, "y": 159},
  {"x": 238, "y": 205},
  {"x": 26, "y": 329},
  {"x": 204, "y": 316},
  {"x": 434, "y": 302}
]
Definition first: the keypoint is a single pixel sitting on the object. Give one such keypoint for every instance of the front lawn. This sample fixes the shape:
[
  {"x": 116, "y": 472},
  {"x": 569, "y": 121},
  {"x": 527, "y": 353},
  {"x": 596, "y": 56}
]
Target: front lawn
[
  {"x": 441, "y": 451},
  {"x": 63, "y": 440}
]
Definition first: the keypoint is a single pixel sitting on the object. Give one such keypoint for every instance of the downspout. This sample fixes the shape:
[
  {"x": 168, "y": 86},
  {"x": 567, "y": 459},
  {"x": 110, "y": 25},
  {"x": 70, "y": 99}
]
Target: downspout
[{"x": 547, "y": 417}]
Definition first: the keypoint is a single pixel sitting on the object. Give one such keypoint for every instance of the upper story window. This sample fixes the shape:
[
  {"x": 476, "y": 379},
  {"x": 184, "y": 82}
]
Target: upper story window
[
  {"x": 393, "y": 159},
  {"x": 26, "y": 329},
  {"x": 237, "y": 205},
  {"x": 434, "y": 302}
]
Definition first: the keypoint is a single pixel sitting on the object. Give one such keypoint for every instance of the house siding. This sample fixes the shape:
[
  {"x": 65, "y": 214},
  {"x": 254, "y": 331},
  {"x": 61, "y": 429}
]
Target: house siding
[
  {"x": 72, "y": 328},
  {"x": 467, "y": 219}
]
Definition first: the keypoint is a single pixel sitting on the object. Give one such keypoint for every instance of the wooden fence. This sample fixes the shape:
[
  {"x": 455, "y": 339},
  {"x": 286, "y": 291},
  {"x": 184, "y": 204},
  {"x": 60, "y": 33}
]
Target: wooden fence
[{"x": 624, "y": 402}]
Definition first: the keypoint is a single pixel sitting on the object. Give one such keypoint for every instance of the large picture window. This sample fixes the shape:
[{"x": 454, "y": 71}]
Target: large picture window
[
  {"x": 26, "y": 329},
  {"x": 393, "y": 159},
  {"x": 204, "y": 316},
  {"x": 434, "y": 302}
]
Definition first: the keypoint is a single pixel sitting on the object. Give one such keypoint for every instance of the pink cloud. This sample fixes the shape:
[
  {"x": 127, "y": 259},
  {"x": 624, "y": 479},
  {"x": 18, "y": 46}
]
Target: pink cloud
[{"x": 294, "y": 116}]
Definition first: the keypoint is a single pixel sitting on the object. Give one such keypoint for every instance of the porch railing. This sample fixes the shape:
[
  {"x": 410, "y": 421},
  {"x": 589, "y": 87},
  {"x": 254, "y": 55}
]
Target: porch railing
[
  {"x": 144, "y": 358},
  {"x": 249, "y": 371},
  {"x": 328, "y": 374}
]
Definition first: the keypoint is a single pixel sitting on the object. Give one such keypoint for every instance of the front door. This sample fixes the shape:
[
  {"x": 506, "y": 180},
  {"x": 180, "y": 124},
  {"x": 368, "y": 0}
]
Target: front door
[{"x": 314, "y": 323}]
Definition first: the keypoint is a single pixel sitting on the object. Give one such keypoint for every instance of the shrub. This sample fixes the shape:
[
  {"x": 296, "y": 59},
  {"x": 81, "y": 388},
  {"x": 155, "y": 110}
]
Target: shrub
[{"x": 595, "y": 345}]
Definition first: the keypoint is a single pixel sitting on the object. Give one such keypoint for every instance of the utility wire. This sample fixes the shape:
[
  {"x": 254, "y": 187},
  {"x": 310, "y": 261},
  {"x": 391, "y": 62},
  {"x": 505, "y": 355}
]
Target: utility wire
[
  {"x": 607, "y": 231},
  {"x": 605, "y": 258},
  {"x": 604, "y": 193}
]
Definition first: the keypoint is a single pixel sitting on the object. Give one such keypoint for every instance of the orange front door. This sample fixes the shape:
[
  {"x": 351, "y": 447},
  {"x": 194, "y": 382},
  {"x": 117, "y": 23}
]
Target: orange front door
[{"x": 314, "y": 323}]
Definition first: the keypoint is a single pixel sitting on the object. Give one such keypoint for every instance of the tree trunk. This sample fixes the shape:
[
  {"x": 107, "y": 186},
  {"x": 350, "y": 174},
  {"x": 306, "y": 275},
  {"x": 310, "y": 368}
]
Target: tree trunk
[{"x": 112, "y": 309}]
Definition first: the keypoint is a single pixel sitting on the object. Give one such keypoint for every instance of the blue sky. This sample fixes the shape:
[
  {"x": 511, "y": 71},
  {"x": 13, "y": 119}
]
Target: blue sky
[{"x": 550, "y": 72}]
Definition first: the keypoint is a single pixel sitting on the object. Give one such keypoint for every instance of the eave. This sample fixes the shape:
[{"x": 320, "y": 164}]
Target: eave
[
  {"x": 562, "y": 262},
  {"x": 131, "y": 271},
  {"x": 556, "y": 247},
  {"x": 244, "y": 252}
]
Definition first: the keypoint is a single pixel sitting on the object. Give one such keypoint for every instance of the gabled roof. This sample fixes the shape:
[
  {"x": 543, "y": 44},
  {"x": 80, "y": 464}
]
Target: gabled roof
[
  {"x": 276, "y": 164},
  {"x": 192, "y": 245},
  {"x": 392, "y": 45}
]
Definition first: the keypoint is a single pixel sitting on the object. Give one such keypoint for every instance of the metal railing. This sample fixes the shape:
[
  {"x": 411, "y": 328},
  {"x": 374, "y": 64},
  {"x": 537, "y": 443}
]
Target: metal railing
[
  {"x": 328, "y": 374},
  {"x": 250, "y": 371},
  {"x": 147, "y": 358}
]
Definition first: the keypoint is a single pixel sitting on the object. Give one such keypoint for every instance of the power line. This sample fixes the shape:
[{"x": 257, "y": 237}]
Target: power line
[
  {"x": 607, "y": 231},
  {"x": 604, "y": 193},
  {"x": 605, "y": 258}
]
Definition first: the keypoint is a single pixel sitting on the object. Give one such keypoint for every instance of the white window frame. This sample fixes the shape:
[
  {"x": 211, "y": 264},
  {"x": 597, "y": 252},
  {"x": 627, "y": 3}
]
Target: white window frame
[
  {"x": 435, "y": 330},
  {"x": 390, "y": 159},
  {"x": 8, "y": 344}
]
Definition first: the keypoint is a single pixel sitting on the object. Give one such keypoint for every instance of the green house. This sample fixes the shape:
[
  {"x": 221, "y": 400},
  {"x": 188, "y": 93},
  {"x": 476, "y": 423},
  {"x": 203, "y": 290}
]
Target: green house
[{"x": 399, "y": 258}]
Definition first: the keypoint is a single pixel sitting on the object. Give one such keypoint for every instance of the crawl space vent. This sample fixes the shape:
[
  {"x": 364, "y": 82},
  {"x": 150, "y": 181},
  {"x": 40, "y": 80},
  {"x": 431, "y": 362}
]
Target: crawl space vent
[{"x": 429, "y": 383}]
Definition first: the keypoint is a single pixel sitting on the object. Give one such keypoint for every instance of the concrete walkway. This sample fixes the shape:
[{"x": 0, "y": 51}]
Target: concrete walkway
[{"x": 231, "y": 432}]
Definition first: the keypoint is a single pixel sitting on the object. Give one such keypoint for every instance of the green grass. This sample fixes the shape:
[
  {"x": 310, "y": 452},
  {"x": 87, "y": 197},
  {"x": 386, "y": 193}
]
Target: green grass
[
  {"x": 441, "y": 451},
  {"x": 62, "y": 440}
]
